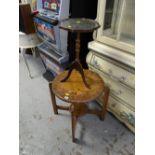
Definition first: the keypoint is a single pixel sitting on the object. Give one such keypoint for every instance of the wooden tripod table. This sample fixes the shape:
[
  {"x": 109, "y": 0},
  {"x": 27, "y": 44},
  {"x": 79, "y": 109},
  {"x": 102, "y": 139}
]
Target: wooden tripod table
[
  {"x": 75, "y": 92},
  {"x": 78, "y": 25}
]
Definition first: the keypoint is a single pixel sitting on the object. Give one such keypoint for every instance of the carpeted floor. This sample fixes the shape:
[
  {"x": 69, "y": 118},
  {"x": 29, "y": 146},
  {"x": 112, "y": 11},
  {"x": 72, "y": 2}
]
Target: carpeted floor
[{"x": 43, "y": 133}]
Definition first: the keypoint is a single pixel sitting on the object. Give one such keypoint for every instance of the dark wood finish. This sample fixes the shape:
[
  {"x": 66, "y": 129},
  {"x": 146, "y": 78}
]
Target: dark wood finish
[
  {"x": 83, "y": 8},
  {"x": 74, "y": 91},
  {"x": 88, "y": 9},
  {"x": 63, "y": 107},
  {"x": 26, "y": 19},
  {"x": 78, "y": 25},
  {"x": 76, "y": 65},
  {"x": 73, "y": 123},
  {"x": 53, "y": 99},
  {"x": 77, "y": 47}
]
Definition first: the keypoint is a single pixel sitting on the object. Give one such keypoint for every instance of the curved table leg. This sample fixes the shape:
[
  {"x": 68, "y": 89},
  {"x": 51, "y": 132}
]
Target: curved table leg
[{"x": 76, "y": 65}]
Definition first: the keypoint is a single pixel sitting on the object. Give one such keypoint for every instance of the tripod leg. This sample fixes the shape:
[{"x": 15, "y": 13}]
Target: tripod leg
[
  {"x": 68, "y": 75},
  {"x": 80, "y": 69},
  {"x": 76, "y": 65}
]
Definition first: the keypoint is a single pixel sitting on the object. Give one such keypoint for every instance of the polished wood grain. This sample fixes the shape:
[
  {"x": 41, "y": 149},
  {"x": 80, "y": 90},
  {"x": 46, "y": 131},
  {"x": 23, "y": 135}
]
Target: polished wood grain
[{"x": 74, "y": 91}]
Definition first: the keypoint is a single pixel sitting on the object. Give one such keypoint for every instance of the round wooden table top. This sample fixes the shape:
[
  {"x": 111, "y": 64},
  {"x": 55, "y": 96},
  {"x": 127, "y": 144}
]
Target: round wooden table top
[
  {"x": 74, "y": 91},
  {"x": 79, "y": 25}
]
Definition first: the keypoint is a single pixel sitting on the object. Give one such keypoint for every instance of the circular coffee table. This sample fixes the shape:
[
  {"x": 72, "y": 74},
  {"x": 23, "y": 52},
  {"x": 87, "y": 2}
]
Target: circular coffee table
[{"x": 74, "y": 91}]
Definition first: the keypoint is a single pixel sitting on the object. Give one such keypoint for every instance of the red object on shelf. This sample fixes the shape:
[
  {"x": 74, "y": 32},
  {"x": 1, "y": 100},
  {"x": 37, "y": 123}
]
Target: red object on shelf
[{"x": 34, "y": 13}]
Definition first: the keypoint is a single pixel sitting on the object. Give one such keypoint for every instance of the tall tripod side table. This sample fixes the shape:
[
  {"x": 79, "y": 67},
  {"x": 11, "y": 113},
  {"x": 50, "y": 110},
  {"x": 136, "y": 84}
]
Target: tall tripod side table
[{"x": 78, "y": 26}]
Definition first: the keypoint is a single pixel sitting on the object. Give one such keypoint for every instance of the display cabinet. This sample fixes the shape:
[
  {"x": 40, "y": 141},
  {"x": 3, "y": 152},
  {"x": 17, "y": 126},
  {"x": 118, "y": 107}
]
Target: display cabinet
[
  {"x": 111, "y": 55},
  {"x": 117, "y": 18}
]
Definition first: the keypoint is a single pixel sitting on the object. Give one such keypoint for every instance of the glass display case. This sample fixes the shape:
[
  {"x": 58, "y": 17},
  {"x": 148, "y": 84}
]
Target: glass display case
[
  {"x": 117, "y": 20},
  {"x": 112, "y": 56}
]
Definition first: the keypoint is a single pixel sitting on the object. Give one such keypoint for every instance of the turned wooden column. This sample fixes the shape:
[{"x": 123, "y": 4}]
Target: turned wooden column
[{"x": 77, "y": 47}]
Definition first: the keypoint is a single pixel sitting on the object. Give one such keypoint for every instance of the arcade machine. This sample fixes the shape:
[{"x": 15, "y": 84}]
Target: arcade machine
[{"x": 53, "y": 51}]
